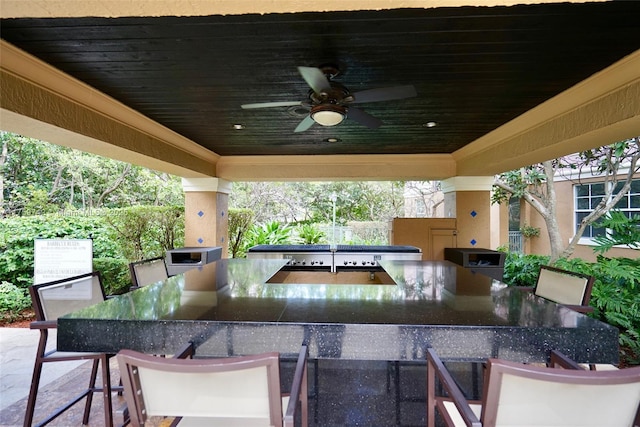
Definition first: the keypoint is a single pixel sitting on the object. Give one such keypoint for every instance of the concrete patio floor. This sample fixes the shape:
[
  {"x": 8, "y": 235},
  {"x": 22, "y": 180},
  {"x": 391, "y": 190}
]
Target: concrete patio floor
[{"x": 17, "y": 355}]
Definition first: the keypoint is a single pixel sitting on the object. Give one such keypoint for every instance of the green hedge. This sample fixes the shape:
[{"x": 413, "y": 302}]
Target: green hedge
[
  {"x": 13, "y": 300},
  {"x": 119, "y": 237},
  {"x": 18, "y": 233},
  {"x": 115, "y": 274}
]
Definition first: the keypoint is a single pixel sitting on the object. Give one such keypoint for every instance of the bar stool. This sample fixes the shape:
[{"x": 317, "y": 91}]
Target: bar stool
[{"x": 50, "y": 301}]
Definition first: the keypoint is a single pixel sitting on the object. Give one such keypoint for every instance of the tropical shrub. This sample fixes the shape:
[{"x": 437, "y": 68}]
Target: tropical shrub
[
  {"x": 272, "y": 233},
  {"x": 13, "y": 300},
  {"x": 529, "y": 231},
  {"x": 621, "y": 230},
  {"x": 522, "y": 270},
  {"x": 615, "y": 296},
  {"x": 310, "y": 234}
]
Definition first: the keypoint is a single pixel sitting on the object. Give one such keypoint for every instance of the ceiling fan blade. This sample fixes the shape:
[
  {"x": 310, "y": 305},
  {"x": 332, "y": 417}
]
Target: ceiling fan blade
[
  {"x": 363, "y": 118},
  {"x": 305, "y": 124},
  {"x": 385, "y": 94},
  {"x": 270, "y": 104},
  {"x": 315, "y": 79}
]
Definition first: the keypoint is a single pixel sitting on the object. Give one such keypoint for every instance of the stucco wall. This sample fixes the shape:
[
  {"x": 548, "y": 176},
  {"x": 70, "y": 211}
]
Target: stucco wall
[{"x": 565, "y": 208}]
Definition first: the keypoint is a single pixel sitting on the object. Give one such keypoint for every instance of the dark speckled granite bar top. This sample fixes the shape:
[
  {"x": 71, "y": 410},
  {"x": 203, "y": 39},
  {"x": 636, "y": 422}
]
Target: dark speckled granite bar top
[{"x": 228, "y": 308}]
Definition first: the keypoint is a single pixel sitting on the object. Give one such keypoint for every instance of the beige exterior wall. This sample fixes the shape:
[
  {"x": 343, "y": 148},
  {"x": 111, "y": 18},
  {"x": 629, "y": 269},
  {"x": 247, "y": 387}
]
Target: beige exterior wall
[
  {"x": 431, "y": 235},
  {"x": 565, "y": 208}
]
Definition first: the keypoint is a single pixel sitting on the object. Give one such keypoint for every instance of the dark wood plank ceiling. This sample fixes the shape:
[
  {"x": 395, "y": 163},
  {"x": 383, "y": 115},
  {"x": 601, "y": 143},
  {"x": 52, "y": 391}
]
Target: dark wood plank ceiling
[{"x": 474, "y": 69}]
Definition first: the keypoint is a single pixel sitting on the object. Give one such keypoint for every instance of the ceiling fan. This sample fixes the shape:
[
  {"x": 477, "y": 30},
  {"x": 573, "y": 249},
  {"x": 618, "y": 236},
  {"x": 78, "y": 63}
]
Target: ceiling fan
[{"x": 330, "y": 102}]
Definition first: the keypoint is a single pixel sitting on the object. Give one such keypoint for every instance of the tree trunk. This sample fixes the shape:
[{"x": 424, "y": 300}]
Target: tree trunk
[
  {"x": 545, "y": 204},
  {"x": 551, "y": 219},
  {"x": 114, "y": 186},
  {"x": 56, "y": 182},
  {"x": 540, "y": 192},
  {"x": 72, "y": 191},
  {"x": 610, "y": 199}
]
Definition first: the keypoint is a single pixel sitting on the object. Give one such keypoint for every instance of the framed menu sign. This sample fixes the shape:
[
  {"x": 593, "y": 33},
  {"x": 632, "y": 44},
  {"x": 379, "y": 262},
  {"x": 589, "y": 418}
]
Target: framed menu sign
[{"x": 61, "y": 258}]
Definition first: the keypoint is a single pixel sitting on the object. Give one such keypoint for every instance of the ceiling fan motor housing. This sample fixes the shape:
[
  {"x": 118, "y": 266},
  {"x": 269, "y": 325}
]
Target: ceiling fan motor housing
[
  {"x": 330, "y": 101},
  {"x": 337, "y": 94}
]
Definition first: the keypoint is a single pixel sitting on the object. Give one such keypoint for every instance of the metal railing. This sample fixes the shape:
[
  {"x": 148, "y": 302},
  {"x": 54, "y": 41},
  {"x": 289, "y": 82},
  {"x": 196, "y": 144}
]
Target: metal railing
[{"x": 516, "y": 242}]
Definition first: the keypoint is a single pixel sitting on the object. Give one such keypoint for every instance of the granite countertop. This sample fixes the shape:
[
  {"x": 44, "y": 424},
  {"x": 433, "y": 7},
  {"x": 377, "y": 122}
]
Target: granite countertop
[{"x": 427, "y": 299}]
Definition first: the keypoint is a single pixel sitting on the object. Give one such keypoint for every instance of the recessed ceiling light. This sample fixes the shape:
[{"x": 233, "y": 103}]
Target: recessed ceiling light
[
  {"x": 332, "y": 140},
  {"x": 429, "y": 124},
  {"x": 238, "y": 127}
]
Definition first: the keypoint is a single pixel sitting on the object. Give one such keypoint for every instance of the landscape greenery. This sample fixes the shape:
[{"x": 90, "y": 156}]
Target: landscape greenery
[
  {"x": 615, "y": 296},
  {"x": 125, "y": 234},
  {"x": 131, "y": 213}
]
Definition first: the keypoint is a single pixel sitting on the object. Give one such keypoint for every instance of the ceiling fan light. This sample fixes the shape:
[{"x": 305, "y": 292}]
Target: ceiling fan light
[{"x": 328, "y": 114}]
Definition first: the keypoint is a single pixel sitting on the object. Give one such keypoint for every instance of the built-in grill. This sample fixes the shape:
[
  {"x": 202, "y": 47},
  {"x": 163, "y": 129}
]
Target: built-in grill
[{"x": 340, "y": 257}]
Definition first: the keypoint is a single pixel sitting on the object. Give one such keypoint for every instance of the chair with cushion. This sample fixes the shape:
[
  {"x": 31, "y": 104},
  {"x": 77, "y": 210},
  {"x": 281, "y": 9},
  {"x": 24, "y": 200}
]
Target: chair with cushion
[
  {"x": 558, "y": 359},
  {"x": 517, "y": 394},
  {"x": 573, "y": 290},
  {"x": 237, "y": 391},
  {"x": 147, "y": 271},
  {"x": 50, "y": 301}
]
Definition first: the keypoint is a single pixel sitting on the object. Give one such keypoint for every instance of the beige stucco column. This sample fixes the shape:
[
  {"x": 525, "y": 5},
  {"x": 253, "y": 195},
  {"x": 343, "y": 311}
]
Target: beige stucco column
[
  {"x": 468, "y": 199},
  {"x": 206, "y": 208}
]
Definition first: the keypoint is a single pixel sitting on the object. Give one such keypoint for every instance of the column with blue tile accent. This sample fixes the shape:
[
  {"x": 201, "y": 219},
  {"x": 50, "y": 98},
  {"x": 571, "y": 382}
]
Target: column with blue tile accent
[
  {"x": 468, "y": 199},
  {"x": 206, "y": 207}
]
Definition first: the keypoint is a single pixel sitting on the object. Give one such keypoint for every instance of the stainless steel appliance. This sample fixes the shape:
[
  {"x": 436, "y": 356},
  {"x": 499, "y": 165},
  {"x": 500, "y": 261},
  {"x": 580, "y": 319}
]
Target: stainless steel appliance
[
  {"x": 183, "y": 259},
  {"x": 340, "y": 257}
]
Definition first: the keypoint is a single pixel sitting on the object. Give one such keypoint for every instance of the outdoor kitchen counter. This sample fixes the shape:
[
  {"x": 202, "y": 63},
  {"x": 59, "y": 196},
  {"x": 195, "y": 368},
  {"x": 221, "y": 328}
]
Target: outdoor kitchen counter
[{"x": 228, "y": 308}]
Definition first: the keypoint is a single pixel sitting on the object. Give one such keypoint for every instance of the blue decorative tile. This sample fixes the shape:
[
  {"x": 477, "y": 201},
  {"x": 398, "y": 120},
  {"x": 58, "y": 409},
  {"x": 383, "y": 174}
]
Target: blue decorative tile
[
  {"x": 200, "y": 214},
  {"x": 473, "y": 214},
  {"x": 200, "y": 240},
  {"x": 473, "y": 242},
  {"x": 222, "y": 213}
]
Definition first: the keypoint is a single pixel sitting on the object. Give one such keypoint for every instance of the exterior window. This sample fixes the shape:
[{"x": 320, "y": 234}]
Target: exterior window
[{"x": 587, "y": 197}]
